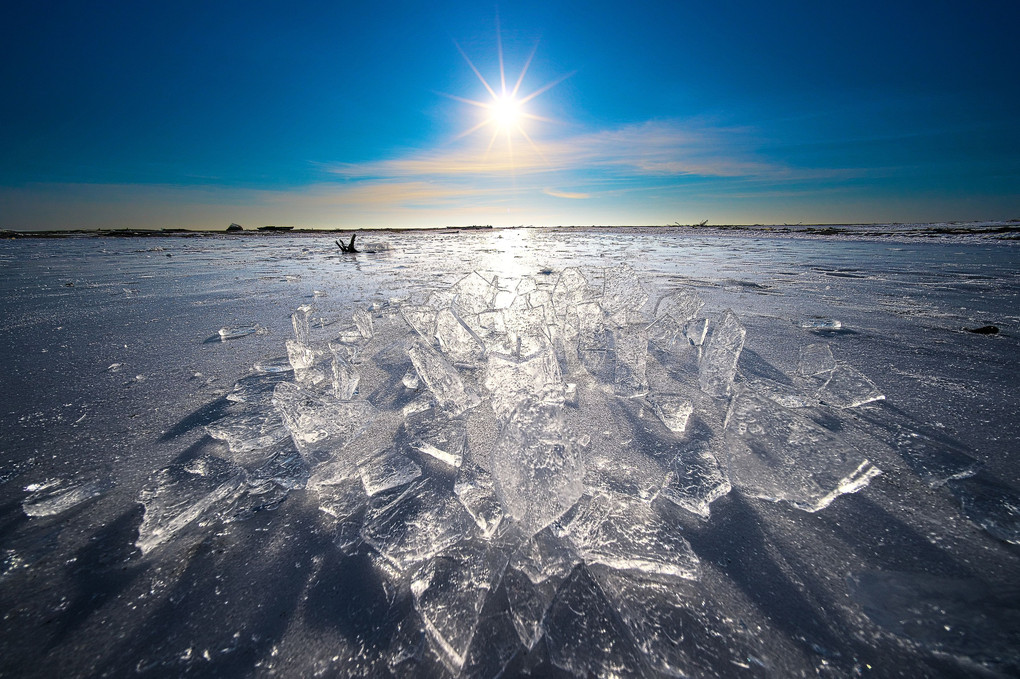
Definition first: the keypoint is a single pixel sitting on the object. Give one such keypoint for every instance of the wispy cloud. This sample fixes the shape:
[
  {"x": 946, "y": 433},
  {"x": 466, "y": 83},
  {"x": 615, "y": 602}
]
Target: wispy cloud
[{"x": 565, "y": 194}]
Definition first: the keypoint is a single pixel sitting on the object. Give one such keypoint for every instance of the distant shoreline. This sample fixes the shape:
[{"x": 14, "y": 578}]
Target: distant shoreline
[{"x": 1003, "y": 229}]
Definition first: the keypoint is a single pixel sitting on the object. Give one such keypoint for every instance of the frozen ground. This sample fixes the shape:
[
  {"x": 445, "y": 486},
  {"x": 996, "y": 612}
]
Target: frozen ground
[{"x": 608, "y": 453}]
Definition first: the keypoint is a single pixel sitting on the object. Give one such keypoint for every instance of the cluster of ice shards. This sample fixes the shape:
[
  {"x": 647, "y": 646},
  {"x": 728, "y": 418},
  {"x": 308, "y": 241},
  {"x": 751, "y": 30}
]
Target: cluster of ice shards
[
  {"x": 56, "y": 496},
  {"x": 534, "y": 436}
]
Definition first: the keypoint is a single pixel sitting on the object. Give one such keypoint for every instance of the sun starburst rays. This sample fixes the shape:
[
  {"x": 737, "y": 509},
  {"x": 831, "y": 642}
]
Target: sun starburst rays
[{"x": 506, "y": 107}]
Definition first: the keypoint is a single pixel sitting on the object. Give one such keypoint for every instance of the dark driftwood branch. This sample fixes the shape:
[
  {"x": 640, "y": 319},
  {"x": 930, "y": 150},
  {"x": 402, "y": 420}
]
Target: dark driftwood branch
[{"x": 348, "y": 248}]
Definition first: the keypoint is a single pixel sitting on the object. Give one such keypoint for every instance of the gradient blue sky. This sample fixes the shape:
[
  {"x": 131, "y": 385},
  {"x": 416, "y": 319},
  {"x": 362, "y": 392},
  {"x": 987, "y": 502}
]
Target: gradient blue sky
[{"x": 335, "y": 114}]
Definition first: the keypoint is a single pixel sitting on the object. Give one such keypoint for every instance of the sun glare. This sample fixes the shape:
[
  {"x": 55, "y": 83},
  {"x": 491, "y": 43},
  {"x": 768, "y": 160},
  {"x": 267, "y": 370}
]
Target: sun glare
[{"x": 506, "y": 107}]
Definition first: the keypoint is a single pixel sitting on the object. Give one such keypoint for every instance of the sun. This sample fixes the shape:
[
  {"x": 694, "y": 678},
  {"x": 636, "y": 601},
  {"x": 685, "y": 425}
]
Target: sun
[{"x": 507, "y": 108}]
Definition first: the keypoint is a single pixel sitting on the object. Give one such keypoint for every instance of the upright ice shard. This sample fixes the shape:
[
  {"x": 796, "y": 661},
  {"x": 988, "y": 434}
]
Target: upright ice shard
[
  {"x": 695, "y": 481},
  {"x": 442, "y": 379},
  {"x": 299, "y": 319},
  {"x": 719, "y": 363},
  {"x": 777, "y": 454},
  {"x": 437, "y": 436},
  {"x": 456, "y": 340},
  {"x": 249, "y": 432},
  {"x": 320, "y": 428},
  {"x": 345, "y": 375},
  {"x": 363, "y": 320},
  {"x": 630, "y": 354},
  {"x": 511, "y": 381},
  {"x": 673, "y": 409},
  {"x": 449, "y": 592},
  {"x": 539, "y": 473}
]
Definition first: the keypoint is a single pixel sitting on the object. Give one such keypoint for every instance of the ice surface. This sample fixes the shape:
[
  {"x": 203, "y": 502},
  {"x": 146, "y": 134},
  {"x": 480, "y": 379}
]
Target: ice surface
[
  {"x": 415, "y": 525},
  {"x": 673, "y": 409},
  {"x": 627, "y": 534},
  {"x": 816, "y": 359},
  {"x": 55, "y": 496},
  {"x": 442, "y": 379},
  {"x": 776, "y": 454},
  {"x": 539, "y": 473},
  {"x": 990, "y": 504},
  {"x": 848, "y": 388},
  {"x": 389, "y": 469},
  {"x": 450, "y": 591},
  {"x": 528, "y": 602},
  {"x": 719, "y": 363},
  {"x": 477, "y": 492},
  {"x": 319, "y": 427}
]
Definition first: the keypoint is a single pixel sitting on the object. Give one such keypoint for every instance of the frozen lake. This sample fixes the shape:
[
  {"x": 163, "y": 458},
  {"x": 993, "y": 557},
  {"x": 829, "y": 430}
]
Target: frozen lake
[{"x": 626, "y": 452}]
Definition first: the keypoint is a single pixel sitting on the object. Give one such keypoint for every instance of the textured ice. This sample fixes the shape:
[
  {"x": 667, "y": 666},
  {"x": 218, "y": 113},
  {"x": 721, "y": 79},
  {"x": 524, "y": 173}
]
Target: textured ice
[
  {"x": 456, "y": 340},
  {"x": 473, "y": 294},
  {"x": 477, "y": 492},
  {"x": 585, "y": 634},
  {"x": 249, "y": 432},
  {"x": 776, "y": 454},
  {"x": 450, "y": 591},
  {"x": 546, "y": 555},
  {"x": 55, "y": 496},
  {"x": 300, "y": 321},
  {"x": 388, "y": 469},
  {"x": 681, "y": 305},
  {"x": 320, "y": 427},
  {"x": 280, "y": 364},
  {"x": 415, "y": 525},
  {"x": 627, "y": 534},
  {"x": 816, "y": 359},
  {"x": 442, "y": 379},
  {"x": 630, "y": 354},
  {"x": 719, "y": 363},
  {"x": 990, "y": 504},
  {"x": 820, "y": 324},
  {"x": 345, "y": 375},
  {"x": 695, "y": 480},
  {"x": 847, "y": 387},
  {"x": 673, "y": 409},
  {"x": 514, "y": 381},
  {"x": 363, "y": 321},
  {"x": 421, "y": 318},
  {"x": 695, "y": 330},
  {"x": 437, "y": 436},
  {"x": 539, "y": 473},
  {"x": 528, "y": 602},
  {"x": 302, "y": 357},
  {"x": 182, "y": 494}
]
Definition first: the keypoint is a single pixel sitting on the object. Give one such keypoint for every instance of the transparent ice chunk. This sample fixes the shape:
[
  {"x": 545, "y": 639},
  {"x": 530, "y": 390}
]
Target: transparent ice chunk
[
  {"x": 571, "y": 289},
  {"x": 627, "y": 534},
  {"x": 339, "y": 496},
  {"x": 786, "y": 395},
  {"x": 477, "y": 492},
  {"x": 548, "y": 554},
  {"x": 181, "y": 493},
  {"x": 695, "y": 480},
  {"x": 449, "y": 593},
  {"x": 421, "y": 318},
  {"x": 363, "y": 320},
  {"x": 528, "y": 602},
  {"x": 442, "y": 379},
  {"x": 695, "y": 330},
  {"x": 302, "y": 359},
  {"x": 55, "y": 496},
  {"x": 279, "y": 364},
  {"x": 673, "y": 409},
  {"x": 776, "y": 454},
  {"x": 235, "y": 332},
  {"x": 538, "y": 472},
  {"x": 473, "y": 294},
  {"x": 719, "y": 363},
  {"x": 820, "y": 324},
  {"x": 415, "y": 525},
  {"x": 410, "y": 379},
  {"x": 345, "y": 375},
  {"x": 389, "y": 469},
  {"x": 623, "y": 295},
  {"x": 630, "y": 354},
  {"x": 682, "y": 305},
  {"x": 584, "y": 634},
  {"x": 456, "y": 340},
  {"x": 493, "y": 648},
  {"x": 815, "y": 359},
  {"x": 257, "y": 389},
  {"x": 300, "y": 320},
  {"x": 249, "y": 432},
  {"x": 511, "y": 381},
  {"x": 848, "y": 388},
  {"x": 320, "y": 428},
  {"x": 439, "y": 437}
]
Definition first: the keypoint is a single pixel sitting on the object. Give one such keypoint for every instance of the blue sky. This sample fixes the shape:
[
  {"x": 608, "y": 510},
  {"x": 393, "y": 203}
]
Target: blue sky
[{"x": 352, "y": 115}]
